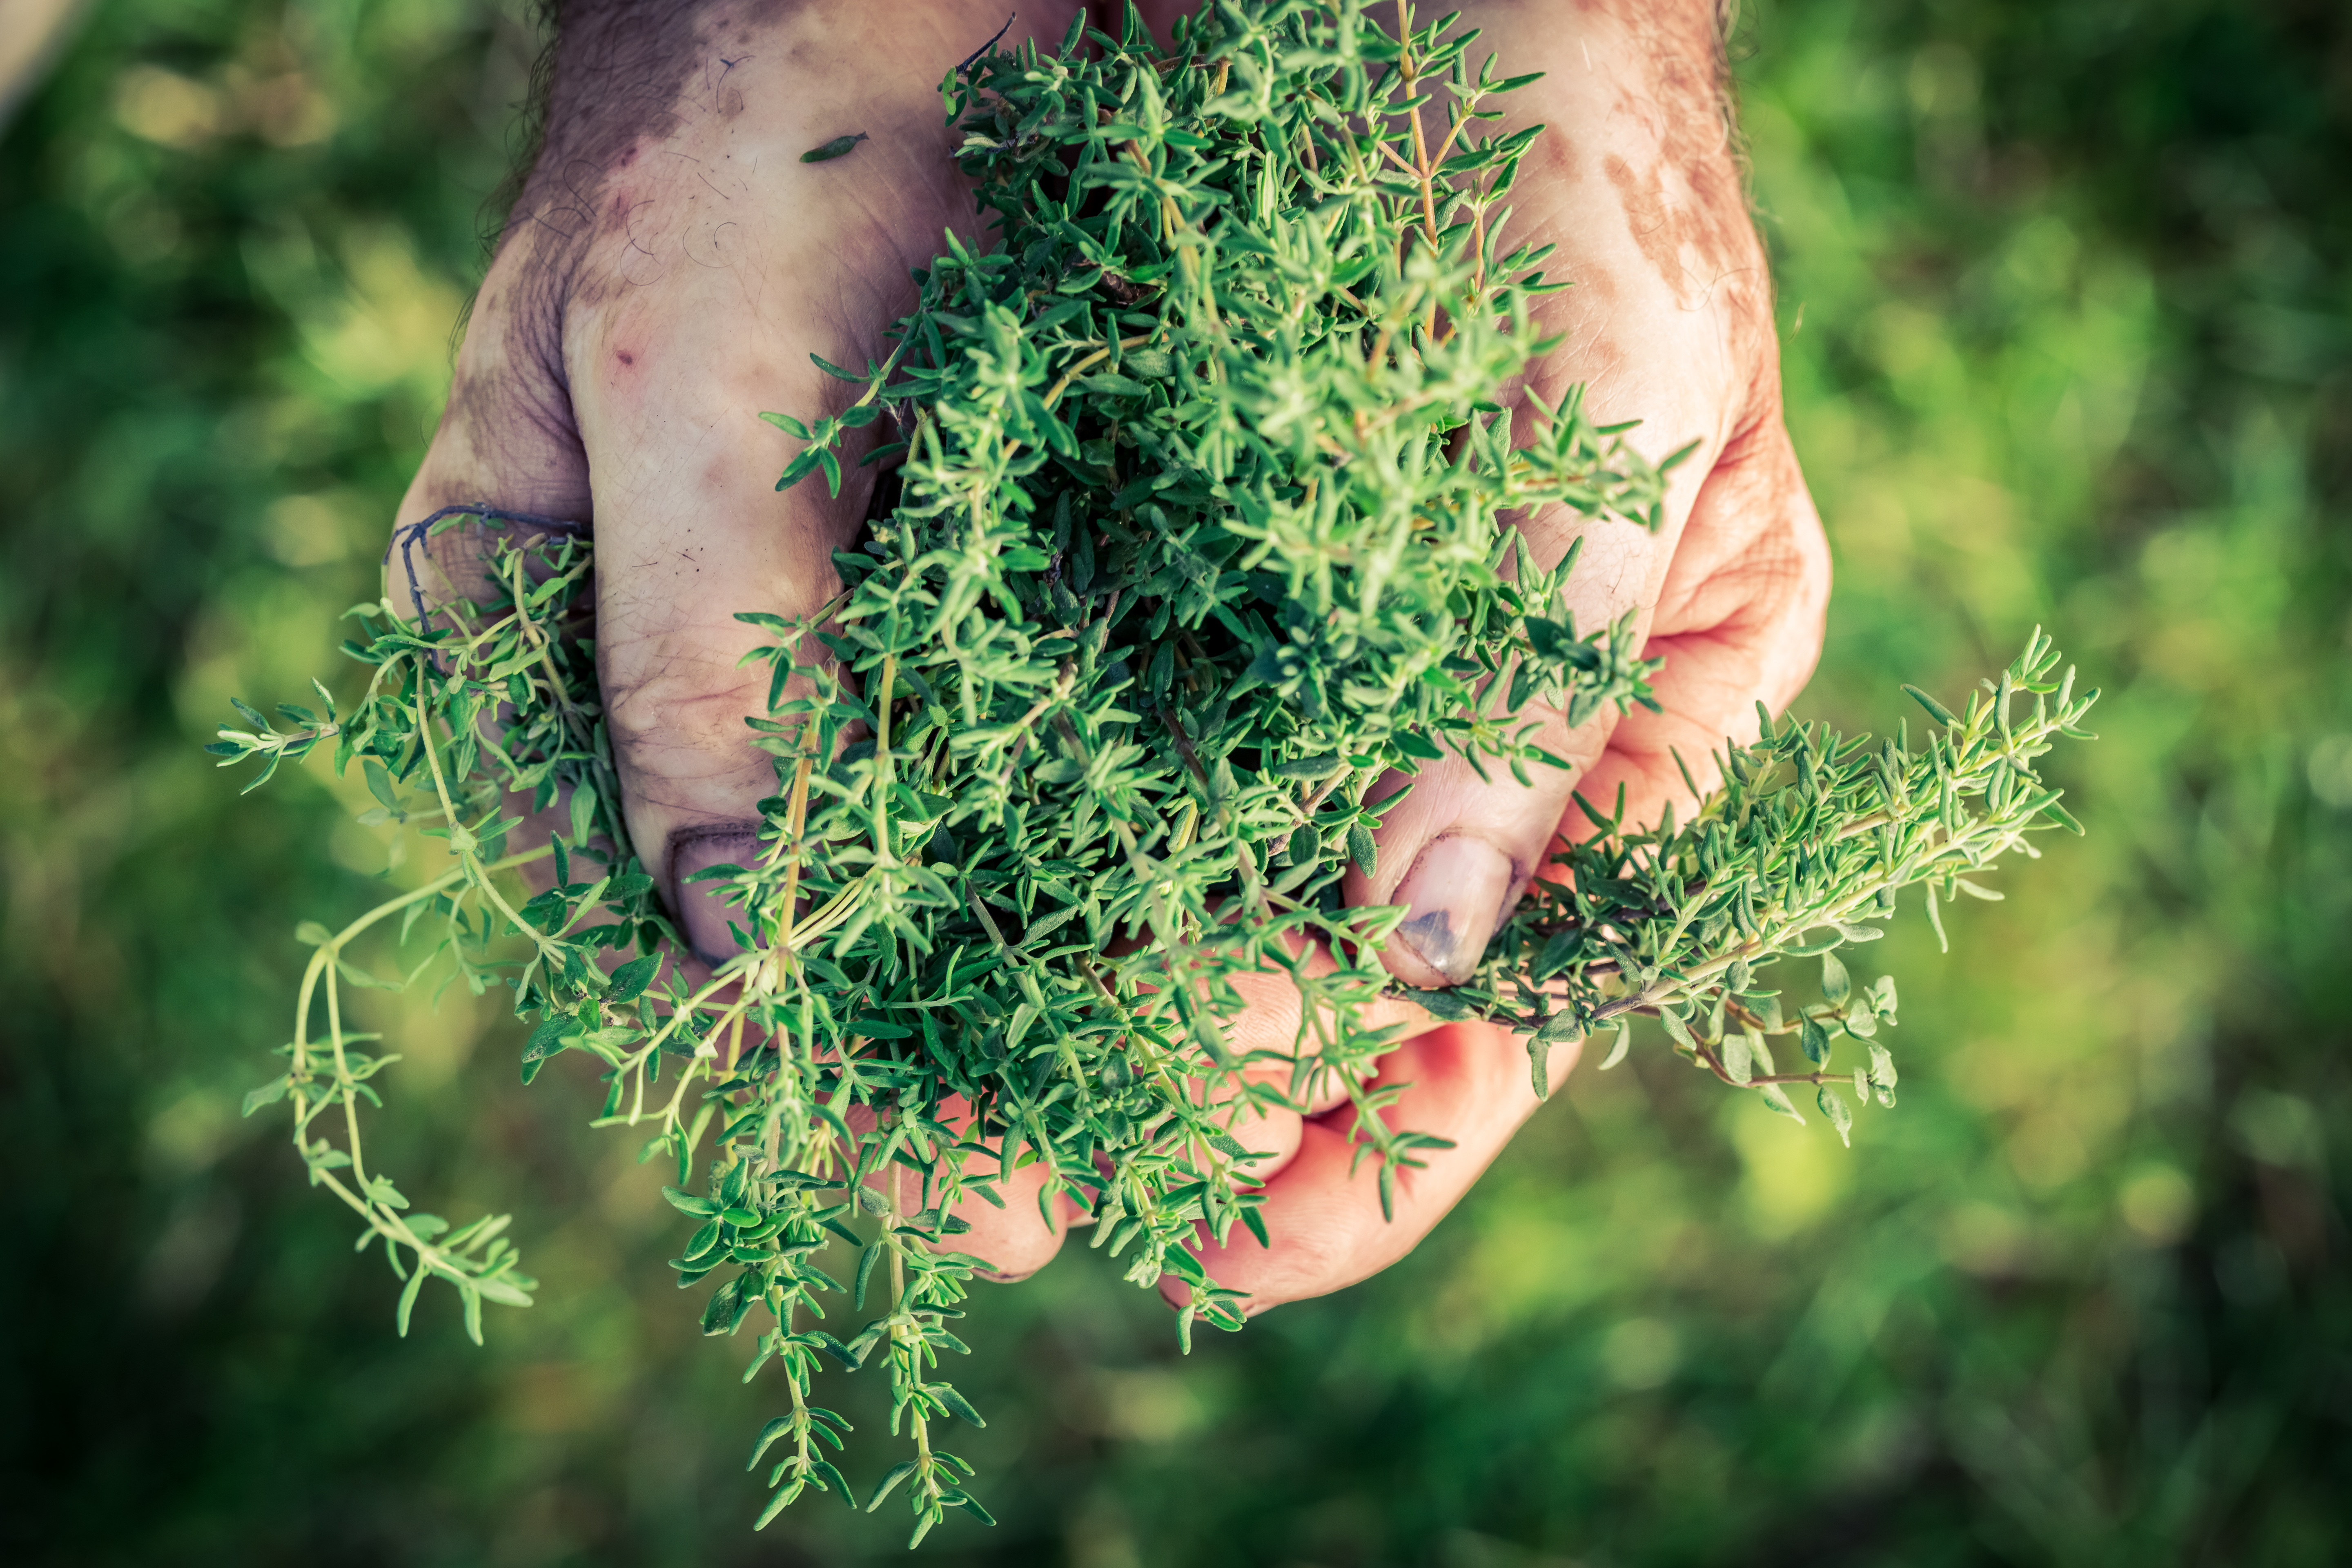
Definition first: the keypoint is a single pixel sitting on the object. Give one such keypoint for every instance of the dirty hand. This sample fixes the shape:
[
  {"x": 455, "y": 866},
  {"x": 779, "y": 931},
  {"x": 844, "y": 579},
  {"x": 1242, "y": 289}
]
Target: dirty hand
[{"x": 671, "y": 264}]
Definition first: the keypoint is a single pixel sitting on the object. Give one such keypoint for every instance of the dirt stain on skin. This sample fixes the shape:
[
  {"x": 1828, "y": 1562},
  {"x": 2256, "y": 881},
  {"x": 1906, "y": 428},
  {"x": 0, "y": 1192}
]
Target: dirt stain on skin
[
  {"x": 1657, "y": 226},
  {"x": 1688, "y": 210},
  {"x": 617, "y": 80},
  {"x": 623, "y": 78}
]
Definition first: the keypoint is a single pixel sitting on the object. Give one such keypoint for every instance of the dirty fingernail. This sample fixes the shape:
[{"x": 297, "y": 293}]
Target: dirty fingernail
[
  {"x": 1458, "y": 891},
  {"x": 706, "y": 909}
]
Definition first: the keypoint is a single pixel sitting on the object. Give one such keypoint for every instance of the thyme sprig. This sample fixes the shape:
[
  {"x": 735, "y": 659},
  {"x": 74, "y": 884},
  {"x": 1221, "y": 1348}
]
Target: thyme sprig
[
  {"x": 1807, "y": 843},
  {"x": 1188, "y": 534}
]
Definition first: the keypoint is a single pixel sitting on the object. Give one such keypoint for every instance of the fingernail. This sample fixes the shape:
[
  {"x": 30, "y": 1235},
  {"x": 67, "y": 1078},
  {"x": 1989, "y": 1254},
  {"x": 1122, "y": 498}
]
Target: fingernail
[
  {"x": 1458, "y": 891},
  {"x": 706, "y": 909}
]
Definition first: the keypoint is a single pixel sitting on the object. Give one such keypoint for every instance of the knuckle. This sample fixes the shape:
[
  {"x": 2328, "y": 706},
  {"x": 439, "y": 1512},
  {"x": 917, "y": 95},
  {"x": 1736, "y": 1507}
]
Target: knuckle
[{"x": 667, "y": 697}]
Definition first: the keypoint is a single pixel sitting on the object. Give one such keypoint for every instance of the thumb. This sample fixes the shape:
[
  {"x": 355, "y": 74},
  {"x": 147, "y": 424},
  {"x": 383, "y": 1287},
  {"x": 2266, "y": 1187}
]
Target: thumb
[{"x": 1462, "y": 846}]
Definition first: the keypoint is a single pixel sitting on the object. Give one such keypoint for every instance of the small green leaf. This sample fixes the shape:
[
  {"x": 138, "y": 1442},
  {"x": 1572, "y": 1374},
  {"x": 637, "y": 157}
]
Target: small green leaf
[
  {"x": 1821, "y": 941},
  {"x": 838, "y": 147},
  {"x": 866, "y": 1262},
  {"x": 1882, "y": 997},
  {"x": 768, "y": 1435},
  {"x": 379, "y": 783},
  {"x": 1936, "y": 710},
  {"x": 550, "y": 1037},
  {"x": 409, "y": 1296},
  {"x": 503, "y": 1291},
  {"x": 1314, "y": 769},
  {"x": 889, "y": 1483},
  {"x": 1561, "y": 1027},
  {"x": 1737, "y": 1064},
  {"x": 957, "y": 1404},
  {"x": 1450, "y": 1005},
  {"x": 1833, "y": 1106},
  {"x": 629, "y": 981},
  {"x": 1112, "y": 385},
  {"x": 1836, "y": 985},
  {"x": 1882, "y": 1068},
  {"x": 718, "y": 1314},
  {"x": 783, "y": 1498}
]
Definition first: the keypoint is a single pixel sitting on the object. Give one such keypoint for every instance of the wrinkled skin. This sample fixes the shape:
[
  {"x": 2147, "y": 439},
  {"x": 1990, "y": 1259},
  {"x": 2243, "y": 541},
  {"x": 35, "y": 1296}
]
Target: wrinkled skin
[{"x": 671, "y": 265}]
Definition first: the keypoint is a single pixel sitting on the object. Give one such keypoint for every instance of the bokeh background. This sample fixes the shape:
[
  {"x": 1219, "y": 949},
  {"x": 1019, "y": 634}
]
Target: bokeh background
[{"x": 2068, "y": 315}]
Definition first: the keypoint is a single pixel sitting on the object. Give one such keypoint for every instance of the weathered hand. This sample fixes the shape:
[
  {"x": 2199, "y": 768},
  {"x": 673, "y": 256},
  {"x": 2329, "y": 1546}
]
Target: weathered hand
[
  {"x": 1669, "y": 322},
  {"x": 671, "y": 264},
  {"x": 668, "y": 269}
]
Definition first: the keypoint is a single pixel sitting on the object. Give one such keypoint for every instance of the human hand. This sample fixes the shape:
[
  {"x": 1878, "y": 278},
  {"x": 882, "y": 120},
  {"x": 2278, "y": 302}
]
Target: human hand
[
  {"x": 667, "y": 268},
  {"x": 670, "y": 265},
  {"x": 1668, "y": 322}
]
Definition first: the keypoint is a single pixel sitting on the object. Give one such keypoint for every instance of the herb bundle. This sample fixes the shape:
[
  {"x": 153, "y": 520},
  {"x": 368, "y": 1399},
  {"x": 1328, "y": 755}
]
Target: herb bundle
[{"x": 1188, "y": 535}]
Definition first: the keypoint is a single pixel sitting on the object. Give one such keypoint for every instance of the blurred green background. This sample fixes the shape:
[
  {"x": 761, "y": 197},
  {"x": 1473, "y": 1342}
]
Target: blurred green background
[{"x": 2069, "y": 323}]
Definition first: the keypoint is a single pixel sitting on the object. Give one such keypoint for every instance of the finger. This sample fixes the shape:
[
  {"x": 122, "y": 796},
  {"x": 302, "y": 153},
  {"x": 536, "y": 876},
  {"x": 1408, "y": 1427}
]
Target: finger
[
  {"x": 1459, "y": 849},
  {"x": 506, "y": 441},
  {"x": 1015, "y": 1235},
  {"x": 1023, "y": 1233},
  {"x": 1019, "y": 1239},
  {"x": 1023, "y": 1227},
  {"x": 1467, "y": 1082},
  {"x": 1284, "y": 1079},
  {"x": 722, "y": 264},
  {"x": 507, "y": 437},
  {"x": 1279, "y": 1044},
  {"x": 1740, "y": 622}
]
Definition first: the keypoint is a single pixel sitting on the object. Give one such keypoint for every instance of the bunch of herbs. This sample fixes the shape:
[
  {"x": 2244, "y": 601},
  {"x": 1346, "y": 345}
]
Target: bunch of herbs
[{"x": 1188, "y": 537}]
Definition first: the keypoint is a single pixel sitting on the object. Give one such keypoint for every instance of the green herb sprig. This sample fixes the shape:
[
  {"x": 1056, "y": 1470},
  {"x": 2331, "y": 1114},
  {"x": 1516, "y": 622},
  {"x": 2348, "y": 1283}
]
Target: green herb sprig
[{"x": 1188, "y": 535}]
